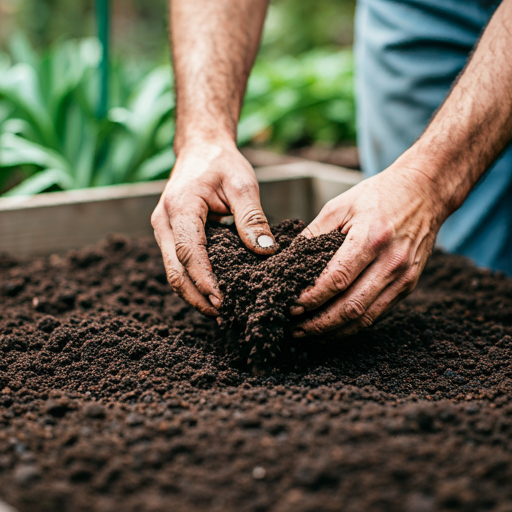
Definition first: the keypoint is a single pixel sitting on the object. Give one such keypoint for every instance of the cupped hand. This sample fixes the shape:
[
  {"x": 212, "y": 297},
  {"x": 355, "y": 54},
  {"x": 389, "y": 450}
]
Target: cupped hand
[
  {"x": 207, "y": 180},
  {"x": 391, "y": 221}
]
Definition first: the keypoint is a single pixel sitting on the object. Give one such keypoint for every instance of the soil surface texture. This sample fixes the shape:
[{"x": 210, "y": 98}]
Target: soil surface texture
[{"x": 116, "y": 395}]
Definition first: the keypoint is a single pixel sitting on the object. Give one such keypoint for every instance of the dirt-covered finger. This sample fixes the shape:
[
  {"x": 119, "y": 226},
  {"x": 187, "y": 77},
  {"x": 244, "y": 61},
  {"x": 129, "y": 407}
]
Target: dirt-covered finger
[
  {"x": 386, "y": 301},
  {"x": 351, "y": 259},
  {"x": 326, "y": 221},
  {"x": 190, "y": 247},
  {"x": 176, "y": 273},
  {"x": 352, "y": 305},
  {"x": 251, "y": 222}
]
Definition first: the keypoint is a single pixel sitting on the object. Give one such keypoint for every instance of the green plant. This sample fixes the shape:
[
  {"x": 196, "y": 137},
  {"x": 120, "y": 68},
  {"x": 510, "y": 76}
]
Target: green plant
[
  {"x": 51, "y": 138},
  {"x": 49, "y": 130},
  {"x": 293, "y": 101}
]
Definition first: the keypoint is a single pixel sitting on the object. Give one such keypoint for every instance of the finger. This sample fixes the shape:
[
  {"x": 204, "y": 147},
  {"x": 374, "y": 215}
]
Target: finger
[
  {"x": 187, "y": 226},
  {"x": 349, "y": 261},
  {"x": 329, "y": 219},
  {"x": 387, "y": 300},
  {"x": 353, "y": 304},
  {"x": 250, "y": 221},
  {"x": 176, "y": 273},
  {"x": 381, "y": 307}
]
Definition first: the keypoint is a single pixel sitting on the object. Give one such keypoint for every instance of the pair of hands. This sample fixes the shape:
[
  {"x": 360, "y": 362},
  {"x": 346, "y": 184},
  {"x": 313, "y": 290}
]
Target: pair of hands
[{"x": 391, "y": 221}]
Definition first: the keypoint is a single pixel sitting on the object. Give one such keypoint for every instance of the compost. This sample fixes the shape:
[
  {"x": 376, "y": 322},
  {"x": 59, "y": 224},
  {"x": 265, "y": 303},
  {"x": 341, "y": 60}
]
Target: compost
[{"x": 116, "y": 395}]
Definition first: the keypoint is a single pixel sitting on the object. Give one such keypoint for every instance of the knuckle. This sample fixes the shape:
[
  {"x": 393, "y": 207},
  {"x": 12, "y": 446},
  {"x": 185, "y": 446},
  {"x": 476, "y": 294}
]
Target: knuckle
[
  {"x": 353, "y": 309},
  {"x": 156, "y": 218},
  {"x": 169, "y": 202},
  {"x": 179, "y": 208},
  {"x": 176, "y": 279},
  {"x": 245, "y": 187},
  {"x": 400, "y": 261},
  {"x": 184, "y": 251},
  {"x": 311, "y": 300},
  {"x": 366, "y": 320},
  {"x": 410, "y": 280},
  {"x": 340, "y": 277},
  {"x": 253, "y": 216},
  {"x": 381, "y": 236}
]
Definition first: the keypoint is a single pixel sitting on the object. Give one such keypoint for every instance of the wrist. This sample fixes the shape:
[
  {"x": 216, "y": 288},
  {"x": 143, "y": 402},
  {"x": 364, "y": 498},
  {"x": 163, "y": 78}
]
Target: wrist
[
  {"x": 200, "y": 129},
  {"x": 441, "y": 176},
  {"x": 203, "y": 138}
]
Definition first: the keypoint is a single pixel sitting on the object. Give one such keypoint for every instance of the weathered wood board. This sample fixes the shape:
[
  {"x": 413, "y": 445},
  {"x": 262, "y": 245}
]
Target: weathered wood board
[{"x": 59, "y": 221}]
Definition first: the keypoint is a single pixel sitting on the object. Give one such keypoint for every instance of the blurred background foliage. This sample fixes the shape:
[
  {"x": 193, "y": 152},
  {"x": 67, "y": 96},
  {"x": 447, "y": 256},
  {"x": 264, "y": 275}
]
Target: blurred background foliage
[{"x": 300, "y": 92}]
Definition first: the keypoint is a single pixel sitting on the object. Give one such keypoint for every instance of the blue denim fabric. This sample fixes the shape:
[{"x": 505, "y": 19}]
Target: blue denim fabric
[{"x": 408, "y": 53}]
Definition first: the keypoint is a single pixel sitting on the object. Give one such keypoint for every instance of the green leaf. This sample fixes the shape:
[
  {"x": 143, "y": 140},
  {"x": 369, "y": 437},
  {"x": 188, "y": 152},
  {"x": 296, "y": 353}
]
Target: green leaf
[
  {"x": 20, "y": 85},
  {"x": 40, "y": 182},
  {"x": 85, "y": 161},
  {"x": 15, "y": 150},
  {"x": 158, "y": 166},
  {"x": 22, "y": 51},
  {"x": 150, "y": 90}
]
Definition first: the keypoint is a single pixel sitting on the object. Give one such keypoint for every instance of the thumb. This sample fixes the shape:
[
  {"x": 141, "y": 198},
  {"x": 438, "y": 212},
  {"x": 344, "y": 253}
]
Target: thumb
[
  {"x": 251, "y": 223},
  {"x": 327, "y": 220}
]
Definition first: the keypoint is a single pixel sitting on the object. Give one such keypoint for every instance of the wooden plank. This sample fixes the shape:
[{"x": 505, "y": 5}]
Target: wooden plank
[
  {"x": 326, "y": 181},
  {"x": 59, "y": 221}
]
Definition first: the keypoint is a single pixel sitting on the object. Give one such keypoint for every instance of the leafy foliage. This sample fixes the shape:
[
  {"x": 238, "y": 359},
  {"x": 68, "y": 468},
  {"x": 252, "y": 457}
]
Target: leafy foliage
[
  {"x": 48, "y": 126},
  {"x": 51, "y": 138},
  {"x": 293, "y": 101}
]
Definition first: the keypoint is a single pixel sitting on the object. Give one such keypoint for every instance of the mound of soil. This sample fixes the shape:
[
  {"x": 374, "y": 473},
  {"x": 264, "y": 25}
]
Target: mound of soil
[
  {"x": 116, "y": 395},
  {"x": 258, "y": 291}
]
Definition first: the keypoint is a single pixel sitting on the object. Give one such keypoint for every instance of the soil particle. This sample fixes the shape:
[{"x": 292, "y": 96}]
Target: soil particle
[{"x": 116, "y": 395}]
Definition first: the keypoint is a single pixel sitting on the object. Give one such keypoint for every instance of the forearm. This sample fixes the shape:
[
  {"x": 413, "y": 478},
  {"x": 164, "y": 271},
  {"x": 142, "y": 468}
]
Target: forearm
[
  {"x": 474, "y": 124},
  {"x": 214, "y": 44}
]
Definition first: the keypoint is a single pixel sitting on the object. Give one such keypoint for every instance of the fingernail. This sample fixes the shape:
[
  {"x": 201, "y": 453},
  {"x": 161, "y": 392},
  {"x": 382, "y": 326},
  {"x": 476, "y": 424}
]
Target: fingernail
[
  {"x": 215, "y": 301},
  {"x": 296, "y": 310},
  {"x": 298, "y": 333},
  {"x": 265, "y": 241}
]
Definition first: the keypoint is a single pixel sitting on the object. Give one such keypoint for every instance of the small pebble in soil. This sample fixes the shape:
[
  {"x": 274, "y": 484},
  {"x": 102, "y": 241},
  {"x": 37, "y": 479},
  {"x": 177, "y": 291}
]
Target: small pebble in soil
[{"x": 258, "y": 473}]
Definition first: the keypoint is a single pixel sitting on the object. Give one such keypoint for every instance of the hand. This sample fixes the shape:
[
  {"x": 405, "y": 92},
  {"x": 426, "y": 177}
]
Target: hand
[
  {"x": 391, "y": 221},
  {"x": 208, "y": 179}
]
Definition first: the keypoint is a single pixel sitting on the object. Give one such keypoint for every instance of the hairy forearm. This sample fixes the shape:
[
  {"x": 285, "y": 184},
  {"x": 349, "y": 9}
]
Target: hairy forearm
[
  {"x": 214, "y": 44},
  {"x": 474, "y": 124}
]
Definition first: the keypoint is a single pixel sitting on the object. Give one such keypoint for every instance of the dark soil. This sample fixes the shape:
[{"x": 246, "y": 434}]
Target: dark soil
[
  {"x": 258, "y": 291},
  {"x": 115, "y": 395}
]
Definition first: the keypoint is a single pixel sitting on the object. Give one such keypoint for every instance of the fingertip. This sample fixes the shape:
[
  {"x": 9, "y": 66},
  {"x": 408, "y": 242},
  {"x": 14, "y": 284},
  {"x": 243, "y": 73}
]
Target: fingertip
[
  {"x": 299, "y": 333},
  {"x": 215, "y": 301},
  {"x": 208, "y": 311},
  {"x": 296, "y": 310},
  {"x": 260, "y": 241},
  {"x": 306, "y": 300},
  {"x": 263, "y": 241}
]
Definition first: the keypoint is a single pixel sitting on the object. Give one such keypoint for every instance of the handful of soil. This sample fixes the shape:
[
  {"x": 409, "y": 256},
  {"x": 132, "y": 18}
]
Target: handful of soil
[{"x": 258, "y": 291}]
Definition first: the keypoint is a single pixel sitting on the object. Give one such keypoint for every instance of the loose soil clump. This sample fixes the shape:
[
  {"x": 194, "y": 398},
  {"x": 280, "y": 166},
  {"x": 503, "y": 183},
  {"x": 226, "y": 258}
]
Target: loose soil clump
[
  {"x": 258, "y": 291},
  {"x": 116, "y": 395}
]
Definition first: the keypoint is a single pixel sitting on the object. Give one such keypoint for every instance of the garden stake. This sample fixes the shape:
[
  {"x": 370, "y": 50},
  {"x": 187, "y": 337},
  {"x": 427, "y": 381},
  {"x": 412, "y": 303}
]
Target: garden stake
[{"x": 102, "y": 14}]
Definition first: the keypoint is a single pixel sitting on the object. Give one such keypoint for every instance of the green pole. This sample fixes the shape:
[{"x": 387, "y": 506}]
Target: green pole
[{"x": 103, "y": 15}]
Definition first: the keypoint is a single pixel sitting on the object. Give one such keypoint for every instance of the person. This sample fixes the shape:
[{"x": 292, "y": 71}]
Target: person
[{"x": 412, "y": 62}]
